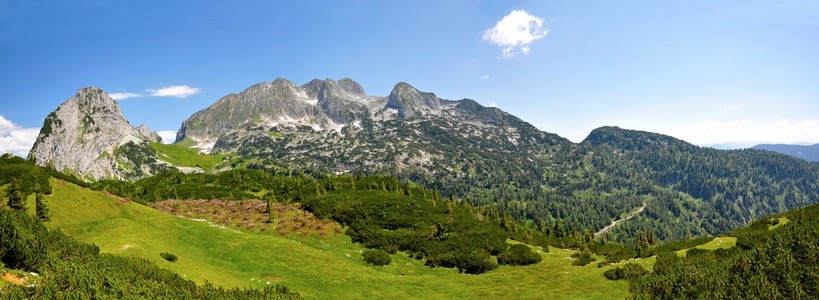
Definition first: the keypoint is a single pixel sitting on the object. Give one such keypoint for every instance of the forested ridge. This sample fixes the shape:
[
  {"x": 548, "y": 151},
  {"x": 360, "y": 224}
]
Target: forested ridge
[
  {"x": 388, "y": 214},
  {"x": 688, "y": 190},
  {"x": 716, "y": 190},
  {"x": 774, "y": 258}
]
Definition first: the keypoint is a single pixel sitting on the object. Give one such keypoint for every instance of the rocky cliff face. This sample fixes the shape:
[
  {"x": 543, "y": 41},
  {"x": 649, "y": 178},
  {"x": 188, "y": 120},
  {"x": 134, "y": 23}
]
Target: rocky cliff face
[
  {"x": 320, "y": 104},
  {"x": 334, "y": 126},
  {"x": 89, "y": 135}
]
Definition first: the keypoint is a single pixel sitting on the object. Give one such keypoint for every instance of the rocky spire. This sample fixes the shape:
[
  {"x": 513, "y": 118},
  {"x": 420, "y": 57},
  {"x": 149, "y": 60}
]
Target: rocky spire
[
  {"x": 409, "y": 101},
  {"x": 85, "y": 133}
]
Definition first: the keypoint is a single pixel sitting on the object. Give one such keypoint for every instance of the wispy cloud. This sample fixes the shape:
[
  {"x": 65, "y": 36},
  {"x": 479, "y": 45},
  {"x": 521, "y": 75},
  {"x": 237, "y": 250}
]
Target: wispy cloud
[
  {"x": 515, "y": 32},
  {"x": 179, "y": 91},
  {"x": 746, "y": 132},
  {"x": 484, "y": 77},
  {"x": 168, "y": 136},
  {"x": 120, "y": 96},
  {"x": 492, "y": 104},
  {"x": 16, "y": 140}
]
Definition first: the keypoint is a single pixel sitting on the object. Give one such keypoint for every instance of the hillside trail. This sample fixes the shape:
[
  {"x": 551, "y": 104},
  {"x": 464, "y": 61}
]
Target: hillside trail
[{"x": 615, "y": 222}]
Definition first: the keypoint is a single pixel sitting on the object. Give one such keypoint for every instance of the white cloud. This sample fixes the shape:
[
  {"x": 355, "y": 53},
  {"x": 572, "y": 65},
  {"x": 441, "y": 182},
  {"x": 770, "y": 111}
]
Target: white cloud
[
  {"x": 6, "y": 125},
  {"x": 168, "y": 136},
  {"x": 16, "y": 140},
  {"x": 484, "y": 77},
  {"x": 492, "y": 104},
  {"x": 179, "y": 91},
  {"x": 782, "y": 131},
  {"x": 515, "y": 32},
  {"x": 120, "y": 96}
]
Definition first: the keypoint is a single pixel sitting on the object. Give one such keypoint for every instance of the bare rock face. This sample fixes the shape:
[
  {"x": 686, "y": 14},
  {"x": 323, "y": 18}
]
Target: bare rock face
[
  {"x": 89, "y": 135},
  {"x": 409, "y": 101},
  {"x": 147, "y": 133},
  {"x": 321, "y": 105},
  {"x": 334, "y": 126}
]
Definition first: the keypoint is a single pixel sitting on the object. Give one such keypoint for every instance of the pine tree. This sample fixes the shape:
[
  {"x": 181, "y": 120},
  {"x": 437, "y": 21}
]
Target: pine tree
[
  {"x": 42, "y": 209},
  {"x": 269, "y": 197},
  {"x": 16, "y": 199}
]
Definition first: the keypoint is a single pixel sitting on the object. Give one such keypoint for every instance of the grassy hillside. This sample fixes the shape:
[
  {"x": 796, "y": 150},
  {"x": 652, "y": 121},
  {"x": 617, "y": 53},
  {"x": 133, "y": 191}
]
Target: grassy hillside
[
  {"x": 183, "y": 155},
  {"x": 316, "y": 267},
  {"x": 725, "y": 242}
]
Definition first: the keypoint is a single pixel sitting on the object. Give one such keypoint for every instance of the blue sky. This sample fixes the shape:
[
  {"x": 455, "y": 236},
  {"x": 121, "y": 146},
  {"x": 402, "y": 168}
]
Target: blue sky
[{"x": 708, "y": 72}]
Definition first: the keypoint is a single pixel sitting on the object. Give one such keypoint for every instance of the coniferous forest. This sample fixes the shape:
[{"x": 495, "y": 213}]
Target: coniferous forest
[{"x": 387, "y": 215}]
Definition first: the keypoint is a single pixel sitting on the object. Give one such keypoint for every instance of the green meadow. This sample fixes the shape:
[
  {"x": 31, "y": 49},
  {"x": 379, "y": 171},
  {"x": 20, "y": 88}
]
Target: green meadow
[
  {"x": 724, "y": 242},
  {"x": 316, "y": 267},
  {"x": 185, "y": 155}
]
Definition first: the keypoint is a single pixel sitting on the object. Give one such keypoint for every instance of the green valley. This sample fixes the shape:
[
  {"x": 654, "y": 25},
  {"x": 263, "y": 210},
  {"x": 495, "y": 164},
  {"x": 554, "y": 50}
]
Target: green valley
[{"x": 316, "y": 267}]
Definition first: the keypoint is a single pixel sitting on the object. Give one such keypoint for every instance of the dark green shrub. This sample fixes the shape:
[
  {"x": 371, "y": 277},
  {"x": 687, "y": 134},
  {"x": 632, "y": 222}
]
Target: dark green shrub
[
  {"x": 168, "y": 256},
  {"x": 519, "y": 255},
  {"x": 627, "y": 271},
  {"x": 377, "y": 257},
  {"x": 695, "y": 252},
  {"x": 474, "y": 262},
  {"x": 665, "y": 261},
  {"x": 582, "y": 258}
]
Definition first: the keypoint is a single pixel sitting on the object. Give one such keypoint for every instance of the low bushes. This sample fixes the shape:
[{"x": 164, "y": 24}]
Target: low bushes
[
  {"x": 377, "y": 257},
  {"x": 519, "y": 255},
  {"x": 627, "y": 271},
  {"x": 169, "y": 256}
]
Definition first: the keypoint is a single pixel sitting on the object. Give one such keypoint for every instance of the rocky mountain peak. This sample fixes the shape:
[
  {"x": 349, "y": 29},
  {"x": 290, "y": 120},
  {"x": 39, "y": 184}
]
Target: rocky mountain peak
[
  {"x": 328, "y": 88},
  {"x": 148, "y": 134},
  {"x": 91, "y": 100},
  {"x": 409, "y": 101},
  {"x": 351, "y": 86},
  {"x": 87, "y": 134}
]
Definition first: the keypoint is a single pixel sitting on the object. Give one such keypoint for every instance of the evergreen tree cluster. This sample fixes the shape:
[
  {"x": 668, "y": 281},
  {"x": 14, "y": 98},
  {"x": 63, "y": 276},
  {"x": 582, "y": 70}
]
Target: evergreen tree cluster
[
  {"x": 385, "y": 214},
  {"x": 380, "y": 212},
  {"x": 779, "y": 263}
]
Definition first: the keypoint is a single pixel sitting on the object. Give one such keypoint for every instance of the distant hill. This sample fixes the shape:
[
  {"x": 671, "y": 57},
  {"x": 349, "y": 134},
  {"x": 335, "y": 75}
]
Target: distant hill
[{"x": 809, "y": 153}]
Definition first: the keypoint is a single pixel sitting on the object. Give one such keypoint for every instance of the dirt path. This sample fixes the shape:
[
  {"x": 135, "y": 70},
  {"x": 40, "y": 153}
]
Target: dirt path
[
  {"x": 13, "y": 279},
  {"x": 615, "y": 222}
]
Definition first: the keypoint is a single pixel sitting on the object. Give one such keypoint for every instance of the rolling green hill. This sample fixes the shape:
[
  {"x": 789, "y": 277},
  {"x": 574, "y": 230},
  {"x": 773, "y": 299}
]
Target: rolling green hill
[
  {"x": 182, "y": 155},
  {"x": 316, "y": 267}
]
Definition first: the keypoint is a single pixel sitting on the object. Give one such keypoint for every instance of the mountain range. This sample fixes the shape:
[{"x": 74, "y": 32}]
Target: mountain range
[
  {"x": 806, "y": 152},
  {"x": 457, "y": 147}
]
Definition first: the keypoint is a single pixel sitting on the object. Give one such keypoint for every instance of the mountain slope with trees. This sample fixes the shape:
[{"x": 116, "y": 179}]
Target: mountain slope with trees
[
  {"x": 723, "y": 189},
  {"x": 774, "y": 258},
  {"x": 483, "y": 155},
  {"x": 449, "y": 232}
]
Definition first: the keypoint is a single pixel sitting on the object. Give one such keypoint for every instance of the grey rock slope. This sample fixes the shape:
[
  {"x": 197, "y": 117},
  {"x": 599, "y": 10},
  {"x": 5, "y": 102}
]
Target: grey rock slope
[
  {"x": 89, "y": 135},
  {"x": 334, "y": 126}
]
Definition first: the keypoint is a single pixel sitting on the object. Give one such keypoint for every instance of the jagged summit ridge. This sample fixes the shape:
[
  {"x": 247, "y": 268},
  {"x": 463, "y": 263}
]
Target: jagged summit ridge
[
  {"x": 85, "y": 133},
  {"x": 335, "y": 126},
  {"x": 322, "y": 105}
]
